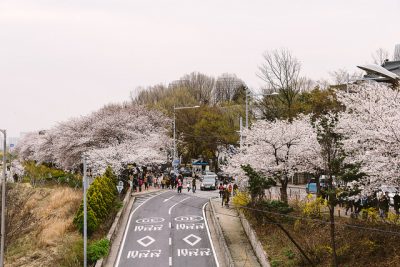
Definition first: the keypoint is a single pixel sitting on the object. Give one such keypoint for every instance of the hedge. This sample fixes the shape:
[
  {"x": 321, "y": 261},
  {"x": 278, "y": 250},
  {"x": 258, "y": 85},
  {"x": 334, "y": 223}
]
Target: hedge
[{"x": 101, "y": 198}]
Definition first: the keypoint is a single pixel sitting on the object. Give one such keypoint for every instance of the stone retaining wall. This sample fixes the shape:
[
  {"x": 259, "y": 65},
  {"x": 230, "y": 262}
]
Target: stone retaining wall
[{"x": 255, "y": 243}]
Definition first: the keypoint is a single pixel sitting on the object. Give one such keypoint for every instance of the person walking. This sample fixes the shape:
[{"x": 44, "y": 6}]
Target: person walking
[
  {"x": 221, "y": 190},
  {"x": 396, "y": 203},
  {"x": 140, "y": 185},
  {"x": 194, "y": 185},
  {"x": 179, "y": 183},
  {"x": 235, "y": 189},
  {"x": 230, "y": 189},
  {"x": 150, "y": 180},
  {"x": 383, "y": 206},
  {"x": 188, "y": 185},
  {"x": 162, "y": 183},
  {"x": 227, "y": 195},
  {"x": 146, "y": 182}
]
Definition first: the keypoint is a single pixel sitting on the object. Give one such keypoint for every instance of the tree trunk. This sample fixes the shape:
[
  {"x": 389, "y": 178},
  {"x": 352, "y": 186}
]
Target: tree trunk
[
  {"x": 332, "y": 230},
  {"x": 283, "y": 189}
]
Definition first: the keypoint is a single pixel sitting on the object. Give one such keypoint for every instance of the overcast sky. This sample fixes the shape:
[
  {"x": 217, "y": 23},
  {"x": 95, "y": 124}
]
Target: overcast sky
[{"x": 62, "y": 59}]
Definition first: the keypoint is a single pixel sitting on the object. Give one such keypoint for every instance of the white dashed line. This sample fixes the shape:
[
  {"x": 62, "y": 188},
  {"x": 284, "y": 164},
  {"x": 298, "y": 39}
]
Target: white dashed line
[
  {"x": 170, "y": 241},
  {"x": 170, "y": 261}
]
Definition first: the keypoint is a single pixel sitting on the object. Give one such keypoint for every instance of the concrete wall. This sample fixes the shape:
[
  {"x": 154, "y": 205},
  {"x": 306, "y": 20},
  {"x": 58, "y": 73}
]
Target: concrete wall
[{"x": 255, "y": 243}]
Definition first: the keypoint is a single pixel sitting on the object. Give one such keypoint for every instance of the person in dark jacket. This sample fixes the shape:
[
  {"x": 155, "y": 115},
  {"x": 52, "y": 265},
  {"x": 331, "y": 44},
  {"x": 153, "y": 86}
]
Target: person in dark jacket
[{"x": 396, "y": 203}]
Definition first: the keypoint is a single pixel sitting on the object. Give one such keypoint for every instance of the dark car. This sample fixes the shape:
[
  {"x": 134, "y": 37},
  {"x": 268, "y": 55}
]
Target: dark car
[
  {"x": 186, "y": 172},
  {"x": 224, "y": 176}
]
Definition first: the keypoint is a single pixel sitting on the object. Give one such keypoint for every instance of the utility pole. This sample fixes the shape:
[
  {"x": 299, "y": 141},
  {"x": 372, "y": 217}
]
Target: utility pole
[
  {"x": 174, "y": 136},
  {"x": 247, "y": 109},
  {"x": 84, "y": 183},
  {"x": 3, "y": 199},
  {"x": 241, "y": 132}
]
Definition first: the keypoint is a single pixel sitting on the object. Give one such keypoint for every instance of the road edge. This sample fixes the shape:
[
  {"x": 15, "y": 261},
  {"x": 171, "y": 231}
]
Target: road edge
[
  {"x": 113, "y": 232},
  {"x": 221, "y": 239},
  {"x": 209, "y": 234}
]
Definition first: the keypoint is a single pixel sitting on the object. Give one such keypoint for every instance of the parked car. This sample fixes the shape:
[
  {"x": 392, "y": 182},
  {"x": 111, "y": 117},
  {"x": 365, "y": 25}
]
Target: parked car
[
  {"x": 211, "y": 174},
  {"x": 311, "y": 186},
  {"x": 186, "y": 172},
  {"x": 208, "y": 182}
]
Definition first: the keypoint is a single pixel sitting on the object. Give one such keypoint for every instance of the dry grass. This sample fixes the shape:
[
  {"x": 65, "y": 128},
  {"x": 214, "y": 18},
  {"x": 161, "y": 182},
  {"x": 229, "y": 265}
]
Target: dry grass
[
  {"x": 355, "y": 247},
  {"x": 51, "y": 228}
]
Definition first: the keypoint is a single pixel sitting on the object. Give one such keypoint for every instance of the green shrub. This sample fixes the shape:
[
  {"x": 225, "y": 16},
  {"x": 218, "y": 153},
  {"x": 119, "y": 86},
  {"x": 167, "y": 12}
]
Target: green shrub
[
  {"x": 101, "y": 199},
  {"x": 92, "y": 221},
  {"x": 275, "y": 206},
  {"x": 97, "y": 250}
]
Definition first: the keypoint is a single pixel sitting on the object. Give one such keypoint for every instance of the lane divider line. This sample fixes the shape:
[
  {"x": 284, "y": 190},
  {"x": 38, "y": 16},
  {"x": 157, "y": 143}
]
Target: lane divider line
[
  {"x": 165, "y": 200},
  {"x": 121, "y": 247},
  {"x": 170, "y": 225},
  {"x": 170, "y": 241},
  {"x": 170, "y": 261},
  {"x": 170, "y": 209},
  {"x": 209, "y": 235}
]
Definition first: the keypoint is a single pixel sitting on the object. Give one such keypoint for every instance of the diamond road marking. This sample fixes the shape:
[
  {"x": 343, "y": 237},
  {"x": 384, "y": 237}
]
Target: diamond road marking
[
  {"x": 146, "y": 241},
  {"x": 195, "y": 241}
]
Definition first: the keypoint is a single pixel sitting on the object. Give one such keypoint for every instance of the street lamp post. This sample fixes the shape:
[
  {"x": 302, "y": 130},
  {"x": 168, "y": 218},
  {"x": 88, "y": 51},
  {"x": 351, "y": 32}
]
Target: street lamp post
[
  {"x": 175, "y": 150},
  {"x": 84, "y": 185},
  {"x": 3, "y": 200},
  {"x": 247, "y": 104}
]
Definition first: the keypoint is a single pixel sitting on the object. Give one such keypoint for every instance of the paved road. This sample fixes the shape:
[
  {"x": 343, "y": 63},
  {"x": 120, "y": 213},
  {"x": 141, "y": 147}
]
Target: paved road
[{"x": 167, "y": 229}]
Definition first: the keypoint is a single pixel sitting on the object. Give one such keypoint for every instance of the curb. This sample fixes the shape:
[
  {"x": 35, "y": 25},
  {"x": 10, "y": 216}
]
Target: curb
[
  {"x": 221, "y": 238},
  {"x": 115, "y": 227},
  {"x": 255, "y": 243}
]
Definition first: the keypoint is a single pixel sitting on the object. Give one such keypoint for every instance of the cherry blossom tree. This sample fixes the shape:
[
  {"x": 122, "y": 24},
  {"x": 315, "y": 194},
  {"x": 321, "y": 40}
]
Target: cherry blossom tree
[
  {"x": 371, "y": 125},
  {"x": 277, "y": 149},
  {"x": 111, "y": 136}
]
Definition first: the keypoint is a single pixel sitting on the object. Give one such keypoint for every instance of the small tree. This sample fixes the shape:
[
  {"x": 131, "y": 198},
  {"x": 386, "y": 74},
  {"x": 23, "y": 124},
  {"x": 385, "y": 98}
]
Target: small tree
[{"x": 257, "y": 183}]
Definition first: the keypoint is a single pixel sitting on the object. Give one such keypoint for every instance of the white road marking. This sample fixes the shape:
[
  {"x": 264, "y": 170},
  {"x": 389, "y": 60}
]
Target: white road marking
[
  {"x": 170, "y": 224},
  {"x": 209, "y": 235},
  {"x": 146, "y": 241},
  {"x": 170, "y": 209},
  {"x": 170, "y": 261},
  {"x": 170, "y": 241},
  {"x": 127, "y": 228},
  {"x": 193, "y": 242},
  {"x": 165, "y": 200}
]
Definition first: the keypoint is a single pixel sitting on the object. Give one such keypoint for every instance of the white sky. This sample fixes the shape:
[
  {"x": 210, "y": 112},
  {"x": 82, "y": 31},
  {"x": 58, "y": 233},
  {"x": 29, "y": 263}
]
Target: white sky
[{"x": 61, "y": 59}]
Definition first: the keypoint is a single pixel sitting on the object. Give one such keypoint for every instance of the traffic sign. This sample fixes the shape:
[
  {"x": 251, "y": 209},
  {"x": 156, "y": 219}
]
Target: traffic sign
[{"x": 175, "y": 162}]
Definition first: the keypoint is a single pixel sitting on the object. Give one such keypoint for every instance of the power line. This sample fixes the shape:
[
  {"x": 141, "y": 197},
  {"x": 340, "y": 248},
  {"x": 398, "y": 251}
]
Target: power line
[{"x": 292, "y": 216}]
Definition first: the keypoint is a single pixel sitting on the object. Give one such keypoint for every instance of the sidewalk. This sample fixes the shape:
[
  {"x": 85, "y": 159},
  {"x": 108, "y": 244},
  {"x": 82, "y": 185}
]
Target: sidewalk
[{"x": 236, "y": 239}]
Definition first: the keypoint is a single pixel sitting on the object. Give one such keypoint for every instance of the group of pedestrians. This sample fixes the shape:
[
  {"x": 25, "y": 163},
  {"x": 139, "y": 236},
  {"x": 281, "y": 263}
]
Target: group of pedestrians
[
  {"x": 226, "y": 190},
  {"x": 378, "y": 201},
  {"x": 143, "y": 180}
]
